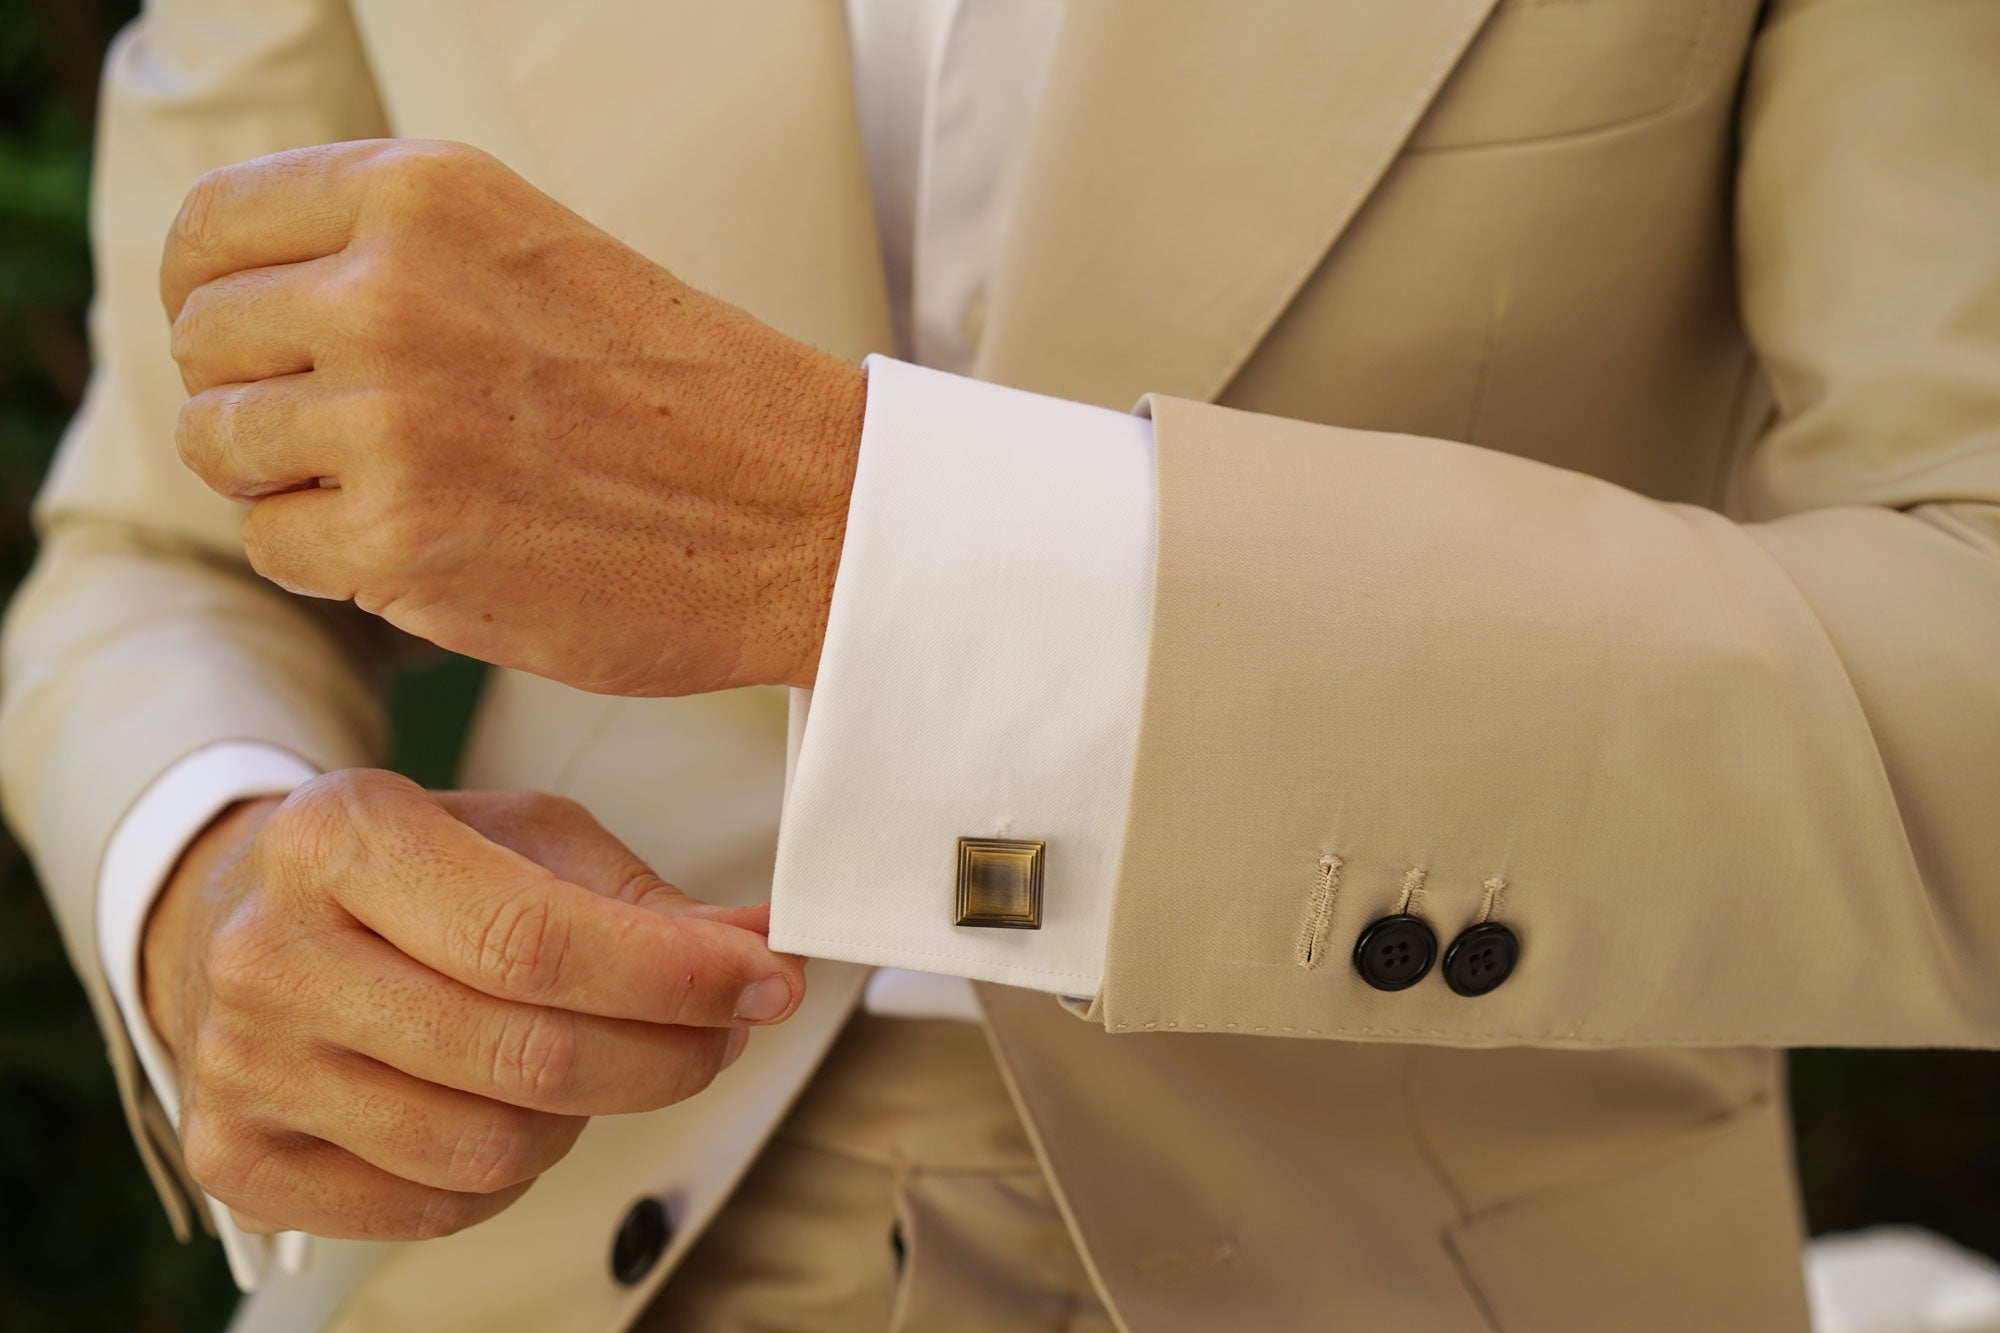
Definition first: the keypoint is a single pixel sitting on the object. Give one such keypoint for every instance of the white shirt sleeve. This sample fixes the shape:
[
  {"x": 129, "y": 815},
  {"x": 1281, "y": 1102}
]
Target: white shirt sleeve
[
  {"x": 982, "y": 674},
  {"x": 142, "y": 852}
]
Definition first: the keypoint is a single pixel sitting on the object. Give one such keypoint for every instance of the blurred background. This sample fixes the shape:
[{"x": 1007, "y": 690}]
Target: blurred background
[{"x": 1905, "y": 1137}]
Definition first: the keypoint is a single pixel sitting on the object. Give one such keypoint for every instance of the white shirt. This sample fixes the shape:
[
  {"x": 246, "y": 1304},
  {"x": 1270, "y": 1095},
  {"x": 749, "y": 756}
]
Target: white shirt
[
  {"x": 998, "y": 544},
  {"x": 985, "y": 649}
]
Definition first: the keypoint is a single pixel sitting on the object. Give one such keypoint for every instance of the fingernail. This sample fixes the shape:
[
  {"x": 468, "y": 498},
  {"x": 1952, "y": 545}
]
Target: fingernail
[
  {"x": 764, "y": 1000},
  {"x": 738, "y": 1039}
]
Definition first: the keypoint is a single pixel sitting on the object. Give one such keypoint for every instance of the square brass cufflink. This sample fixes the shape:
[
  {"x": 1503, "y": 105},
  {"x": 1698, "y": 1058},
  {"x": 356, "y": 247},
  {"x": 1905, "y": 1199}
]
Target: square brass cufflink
[{"x": 999, "y": 883}]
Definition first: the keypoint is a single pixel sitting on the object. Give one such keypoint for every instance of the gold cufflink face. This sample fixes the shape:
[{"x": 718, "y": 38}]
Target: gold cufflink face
[{"x": 999, "y": 883}]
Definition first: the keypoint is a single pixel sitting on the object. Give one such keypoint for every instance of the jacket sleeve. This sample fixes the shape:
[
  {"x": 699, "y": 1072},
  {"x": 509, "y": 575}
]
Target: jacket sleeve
[
  {"x": 1727, "y": 778},
  {"x": 141, "y": 635}
]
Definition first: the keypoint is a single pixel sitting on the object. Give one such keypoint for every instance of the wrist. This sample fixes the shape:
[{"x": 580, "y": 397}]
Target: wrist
[
  {"x": 841, "y": 444},
  {"x": 791, "y": 628},
  {"x": 163, "y": 949}
]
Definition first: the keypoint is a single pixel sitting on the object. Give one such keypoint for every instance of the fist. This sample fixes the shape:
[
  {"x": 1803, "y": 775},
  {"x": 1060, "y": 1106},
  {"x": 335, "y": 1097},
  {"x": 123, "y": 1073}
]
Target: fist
[
  {"x": 451, "y": 400},
  {"x": 391, "y": 1010}
]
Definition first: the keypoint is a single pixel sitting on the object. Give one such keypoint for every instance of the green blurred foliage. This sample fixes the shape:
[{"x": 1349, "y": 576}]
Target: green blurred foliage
[{"x": 1883, "y": 1136}]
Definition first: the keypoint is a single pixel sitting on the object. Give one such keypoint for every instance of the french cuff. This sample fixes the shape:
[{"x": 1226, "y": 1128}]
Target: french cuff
[
  {"x": 980, "y": 683},
  {"x": 141, "y": 854}
]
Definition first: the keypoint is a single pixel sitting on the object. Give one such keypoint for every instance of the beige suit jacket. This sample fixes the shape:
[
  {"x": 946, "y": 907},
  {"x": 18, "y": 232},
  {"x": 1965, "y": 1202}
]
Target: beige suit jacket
[{"x": 1579, "y": 458}]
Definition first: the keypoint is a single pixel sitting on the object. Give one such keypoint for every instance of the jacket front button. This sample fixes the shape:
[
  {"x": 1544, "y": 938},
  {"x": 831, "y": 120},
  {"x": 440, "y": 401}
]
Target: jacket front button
[
  {"x": 642, "y": 1238},
  {"x": 1395, "y": 952},
  {"x": 1481, "y": 958}
]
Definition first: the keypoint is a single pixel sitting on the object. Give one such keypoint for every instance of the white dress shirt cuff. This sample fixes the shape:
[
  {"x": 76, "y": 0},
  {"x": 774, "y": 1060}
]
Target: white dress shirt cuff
[
  {"x": 981, "y": 677},
  {"x": 141, "y": 854}
]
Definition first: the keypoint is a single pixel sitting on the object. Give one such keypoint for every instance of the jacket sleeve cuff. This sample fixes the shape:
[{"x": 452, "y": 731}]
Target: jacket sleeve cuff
[
  {"x": 142, "y": 852},
  {"x": 981, "y": 678}
]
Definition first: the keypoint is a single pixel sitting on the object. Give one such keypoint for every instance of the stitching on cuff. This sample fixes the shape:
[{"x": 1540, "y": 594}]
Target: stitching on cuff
[
  {"x": 1311, "y": 951},
  {"x": 1413, "y": 889}
]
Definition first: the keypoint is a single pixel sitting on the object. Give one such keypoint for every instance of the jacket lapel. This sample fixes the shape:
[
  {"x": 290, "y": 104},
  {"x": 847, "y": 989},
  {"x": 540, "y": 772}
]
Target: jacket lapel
[
  {"x": 1190, "y": 167},
  {"x": 1192, "y": 163},
  {"x": 715, "y": 139}
]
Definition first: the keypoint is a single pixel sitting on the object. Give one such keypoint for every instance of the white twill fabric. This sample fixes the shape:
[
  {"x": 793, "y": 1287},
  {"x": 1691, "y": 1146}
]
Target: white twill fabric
[
  {"x": 945, "y": 93},
  {"x": 997, "y": 573}
]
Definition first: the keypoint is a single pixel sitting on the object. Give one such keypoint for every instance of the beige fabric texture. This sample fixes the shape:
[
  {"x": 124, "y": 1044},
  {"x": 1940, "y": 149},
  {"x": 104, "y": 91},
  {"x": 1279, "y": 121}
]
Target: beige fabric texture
[
  {"x": 906, "y": 1131},
  {"x": 1579, "y": 485}
]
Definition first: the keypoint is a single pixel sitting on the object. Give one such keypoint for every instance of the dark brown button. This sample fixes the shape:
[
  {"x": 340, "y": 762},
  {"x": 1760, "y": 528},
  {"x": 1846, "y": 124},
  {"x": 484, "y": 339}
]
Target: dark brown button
[
  {"x": 1481, "y": 958},
  {"x": 1395, "y": 952},
  {"x": 642, "y": 1238}
]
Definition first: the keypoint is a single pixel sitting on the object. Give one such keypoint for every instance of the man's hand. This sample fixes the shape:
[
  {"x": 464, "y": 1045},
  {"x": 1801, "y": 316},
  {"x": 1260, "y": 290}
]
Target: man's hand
[
  {"x": 455, "y": 402},
  {"x": 391, "y": 1010}
]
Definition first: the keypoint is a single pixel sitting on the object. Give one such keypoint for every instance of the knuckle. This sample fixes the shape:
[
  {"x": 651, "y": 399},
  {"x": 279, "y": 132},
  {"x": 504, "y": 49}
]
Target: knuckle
[
  {"x": 403, "y": 535},
  {"x": 205, "y": 432},
  {"x": 536, "y": 1058},
  {"x": 440, "y": 1213},
  {"x": 422, "y": 171},
  {"x": 263, "y": 547},
  {"x": 373, "y": 289},
  {"x": 562, "y": 810},
  {"x": 399, "y": 538},
  {"x": 322, "y": 832},
  {"x": 303, "y": 834},
  {"x": 523, "y": 946},
  {"x": 195, "y": 431},
  {"x": 190, "y": 326},
  {"x": 214, "y": 1155},
  {"x": 643, "y": 888},
  {"x": 387, "y": 417},
  {"x": 340, "y": 805},
  {"x": 491, "y": 1152},
  {"x": 221, "y": 1060},
  {"x": 194, "y": 225},
  {"x": 348, "y": 793},
  {"x": 242, "y": 962},
  {"x": 357, "y": 788},
  {"x": 202, "y": 1153},
  {"x": 399, "y": 528},
  {"x": 375, "y": 601}
]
